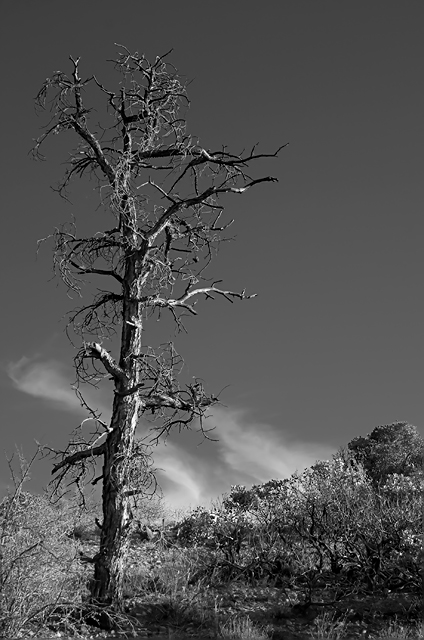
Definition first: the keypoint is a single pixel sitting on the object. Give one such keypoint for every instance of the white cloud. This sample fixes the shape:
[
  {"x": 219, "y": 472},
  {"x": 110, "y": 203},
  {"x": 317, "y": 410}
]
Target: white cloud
[
  {"x": 260, "y": 450},
  {"x": 47, "y": 380},
  {"x": 181, "y": 480},
  {"x": 246, "y": 452},
  {"x": 44, "y": 380}
]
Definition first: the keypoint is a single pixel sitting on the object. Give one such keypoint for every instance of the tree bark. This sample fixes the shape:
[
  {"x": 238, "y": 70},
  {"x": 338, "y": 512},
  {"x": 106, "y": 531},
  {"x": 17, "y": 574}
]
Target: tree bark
[{"x": 107, "y": 584}]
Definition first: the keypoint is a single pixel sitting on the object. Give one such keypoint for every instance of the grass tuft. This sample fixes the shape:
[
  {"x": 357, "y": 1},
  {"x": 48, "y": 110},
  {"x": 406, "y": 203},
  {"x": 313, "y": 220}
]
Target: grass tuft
[{"x": 242, "y": 628}]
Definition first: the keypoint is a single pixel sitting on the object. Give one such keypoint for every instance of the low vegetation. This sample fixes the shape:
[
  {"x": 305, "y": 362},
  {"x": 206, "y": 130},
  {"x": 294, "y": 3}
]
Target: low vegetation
[{"x": 333, "y": 552}]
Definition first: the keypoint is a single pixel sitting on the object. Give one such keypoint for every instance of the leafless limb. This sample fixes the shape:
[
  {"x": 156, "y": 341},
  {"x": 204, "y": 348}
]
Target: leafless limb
[
  {"x": 97, "y": 352},
  {"x": 77, "y": 456},
  {"x": 206, "y": 291}
]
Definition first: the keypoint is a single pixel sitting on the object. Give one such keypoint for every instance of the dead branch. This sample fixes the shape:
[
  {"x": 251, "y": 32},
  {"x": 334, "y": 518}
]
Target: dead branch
[
  {"x": 198, "y": 200},
  {"x": 206, "y": 291},
  {"x": 96, "y": 351},
  {"x": 102, "y": 272},
  {"x": 76, "y": 457},
  {"x": 94, "y": 414}
]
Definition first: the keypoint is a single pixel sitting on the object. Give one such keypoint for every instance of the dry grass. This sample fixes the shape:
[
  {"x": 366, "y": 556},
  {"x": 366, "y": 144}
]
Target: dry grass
[
  {"x": 242, "y": 628},
  {"x": 329, "y": 628},
  {"x": 397, "y": 631}
]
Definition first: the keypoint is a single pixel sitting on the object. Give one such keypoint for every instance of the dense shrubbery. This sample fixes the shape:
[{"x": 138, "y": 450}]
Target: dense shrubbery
[
  {"x": 342, "y": 527},
  {"x": 390, "y": 449},
  {"x": 329, "y": 524}
]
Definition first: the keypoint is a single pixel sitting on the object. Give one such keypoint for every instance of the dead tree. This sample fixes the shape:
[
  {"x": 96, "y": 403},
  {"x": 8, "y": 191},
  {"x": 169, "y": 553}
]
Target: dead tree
[{"x": 164, "y": 192}]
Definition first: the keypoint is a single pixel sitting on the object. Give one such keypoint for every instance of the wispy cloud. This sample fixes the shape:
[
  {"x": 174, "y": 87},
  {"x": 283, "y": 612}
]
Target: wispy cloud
[
  {"x": 260, "y": 450},
  {"x": 48, "y": 380},
  {"x": 247, "y": 452},
  {"x": 179, "y": 477},
  {"x": 44, "y": 380}
]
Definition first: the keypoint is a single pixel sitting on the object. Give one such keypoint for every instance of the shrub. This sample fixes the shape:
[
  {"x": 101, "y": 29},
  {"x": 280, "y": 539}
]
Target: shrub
[{"x": 39, "y": 569}]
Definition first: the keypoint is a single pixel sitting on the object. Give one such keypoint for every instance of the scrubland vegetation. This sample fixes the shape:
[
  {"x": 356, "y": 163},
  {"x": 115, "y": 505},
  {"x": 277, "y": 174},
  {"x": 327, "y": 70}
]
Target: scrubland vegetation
[
  {"x": 330, "y": 552},
  {"x": 333, "y": 552}
]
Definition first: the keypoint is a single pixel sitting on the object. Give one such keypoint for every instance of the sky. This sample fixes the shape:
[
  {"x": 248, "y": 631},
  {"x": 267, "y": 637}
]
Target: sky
[{"x": 332, "y": 346}]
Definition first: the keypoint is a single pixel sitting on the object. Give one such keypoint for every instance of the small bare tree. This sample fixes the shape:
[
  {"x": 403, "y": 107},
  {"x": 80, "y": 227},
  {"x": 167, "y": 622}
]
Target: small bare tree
[{"x": 164, "y": 191}]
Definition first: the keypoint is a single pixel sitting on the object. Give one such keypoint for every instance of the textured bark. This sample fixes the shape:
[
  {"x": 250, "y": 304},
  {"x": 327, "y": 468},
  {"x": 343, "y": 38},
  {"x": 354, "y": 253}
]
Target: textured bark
[{"x": 107, "y": 584}]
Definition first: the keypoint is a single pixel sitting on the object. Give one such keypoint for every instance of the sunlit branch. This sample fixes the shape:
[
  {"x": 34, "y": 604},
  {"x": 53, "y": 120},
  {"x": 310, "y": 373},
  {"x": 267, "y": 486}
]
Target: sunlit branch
[
  {"x": 206, "y": 291},
  {"x": 96, "y": 351}
]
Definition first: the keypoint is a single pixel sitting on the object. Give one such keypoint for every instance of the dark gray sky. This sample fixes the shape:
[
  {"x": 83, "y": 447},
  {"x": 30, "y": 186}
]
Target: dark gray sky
[{"x": 332, "y": 345}]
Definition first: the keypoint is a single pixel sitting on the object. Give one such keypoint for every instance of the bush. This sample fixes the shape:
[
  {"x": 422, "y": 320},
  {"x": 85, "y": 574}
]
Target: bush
[{"x": 39, "y": 567}]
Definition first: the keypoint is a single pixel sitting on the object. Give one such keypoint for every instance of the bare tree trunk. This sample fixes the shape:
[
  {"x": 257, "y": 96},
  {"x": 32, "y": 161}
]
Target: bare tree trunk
[
  {"x": 166, "y": 233},
  {"x": 107, "y": 584}
]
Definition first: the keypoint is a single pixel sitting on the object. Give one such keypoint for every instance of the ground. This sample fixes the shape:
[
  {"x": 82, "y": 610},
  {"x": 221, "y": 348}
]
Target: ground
[{"x": 279, "y": 609}]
